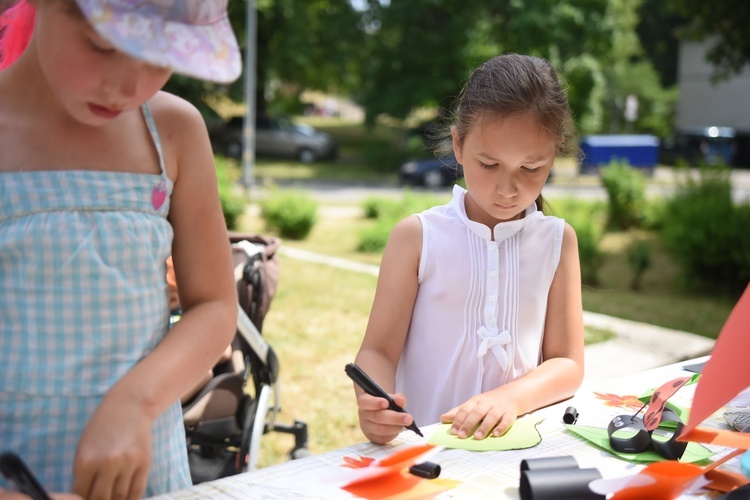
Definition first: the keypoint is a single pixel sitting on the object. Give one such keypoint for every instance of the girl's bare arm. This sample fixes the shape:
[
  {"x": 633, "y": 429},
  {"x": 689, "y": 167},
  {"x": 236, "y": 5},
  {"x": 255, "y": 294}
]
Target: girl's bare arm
[
  {"x": 203, "y": 267},
  {"x": 387, "y": 328}
]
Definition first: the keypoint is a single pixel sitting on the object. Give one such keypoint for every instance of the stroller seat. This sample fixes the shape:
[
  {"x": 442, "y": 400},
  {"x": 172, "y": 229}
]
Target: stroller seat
[
  {"x": 227, "y": 417},
  {"x": 217, "y": 400}
]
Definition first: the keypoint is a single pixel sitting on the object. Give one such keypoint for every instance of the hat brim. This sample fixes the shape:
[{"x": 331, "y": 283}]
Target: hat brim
[{"x": 207, "y": 52}]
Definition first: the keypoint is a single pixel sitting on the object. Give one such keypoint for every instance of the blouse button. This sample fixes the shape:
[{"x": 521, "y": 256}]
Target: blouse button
[
  {"x": 492, "y": 298},
  {"x": 492, "y": 247},
  {"x": 493, "y": 274}
]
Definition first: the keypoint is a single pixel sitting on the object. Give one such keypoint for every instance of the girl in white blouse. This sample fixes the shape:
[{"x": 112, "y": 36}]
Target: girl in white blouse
[{"x": 477, "y": 316}]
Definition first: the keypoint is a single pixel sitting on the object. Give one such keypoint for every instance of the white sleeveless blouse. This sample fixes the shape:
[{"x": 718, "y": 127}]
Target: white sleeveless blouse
[{"x": 479, "y": 315}]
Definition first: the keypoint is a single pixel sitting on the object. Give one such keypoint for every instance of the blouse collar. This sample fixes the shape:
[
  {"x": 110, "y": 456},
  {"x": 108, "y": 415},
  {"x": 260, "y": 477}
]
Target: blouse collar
[{"x": 502, "y": 230}]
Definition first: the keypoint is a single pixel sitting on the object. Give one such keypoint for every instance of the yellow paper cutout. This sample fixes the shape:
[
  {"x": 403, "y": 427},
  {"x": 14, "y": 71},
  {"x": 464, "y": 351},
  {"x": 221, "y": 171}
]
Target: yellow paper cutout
[{"x": 522, "y": 434}]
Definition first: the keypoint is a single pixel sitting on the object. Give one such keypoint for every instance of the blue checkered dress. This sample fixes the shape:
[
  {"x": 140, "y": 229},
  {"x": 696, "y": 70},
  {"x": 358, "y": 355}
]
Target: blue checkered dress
[{"x": 83, "y": 298}]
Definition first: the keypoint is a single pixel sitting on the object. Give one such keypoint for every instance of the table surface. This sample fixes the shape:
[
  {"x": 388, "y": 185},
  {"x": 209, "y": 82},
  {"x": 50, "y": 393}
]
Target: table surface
[{"x": 480, "y": 474}]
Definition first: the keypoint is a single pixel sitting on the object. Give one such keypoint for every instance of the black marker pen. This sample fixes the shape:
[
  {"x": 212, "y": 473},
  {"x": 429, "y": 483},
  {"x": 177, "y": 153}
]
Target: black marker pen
[
  {"x": 15, "y": 471},
  {"x": 370, "y": 387}
]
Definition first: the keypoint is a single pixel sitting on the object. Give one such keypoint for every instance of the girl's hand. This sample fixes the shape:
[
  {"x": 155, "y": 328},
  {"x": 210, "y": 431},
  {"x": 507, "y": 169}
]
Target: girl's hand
[
  {"x": 379, "y": 424},
  {"x": 114, "y": 452},
  {"x": 491, "y": 413}
]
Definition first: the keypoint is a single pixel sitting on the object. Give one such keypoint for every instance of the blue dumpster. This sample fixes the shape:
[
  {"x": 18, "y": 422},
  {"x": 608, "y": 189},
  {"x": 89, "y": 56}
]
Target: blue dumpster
[{"x": 638, "y": 150}]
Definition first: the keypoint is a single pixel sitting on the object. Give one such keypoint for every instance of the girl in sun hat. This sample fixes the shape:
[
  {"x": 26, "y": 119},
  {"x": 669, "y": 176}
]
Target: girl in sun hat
[{"x": 102, "y": 177}]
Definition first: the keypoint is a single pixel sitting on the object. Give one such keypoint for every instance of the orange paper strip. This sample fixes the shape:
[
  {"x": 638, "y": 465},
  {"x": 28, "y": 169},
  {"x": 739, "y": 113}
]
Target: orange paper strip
[
  {"x": 672, "y": 478},
  {"x": 724, "y": 481},
  {"x": 733, "y": 439}
]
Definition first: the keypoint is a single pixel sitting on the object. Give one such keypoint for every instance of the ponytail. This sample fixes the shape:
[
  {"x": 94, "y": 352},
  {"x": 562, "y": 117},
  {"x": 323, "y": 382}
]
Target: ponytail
[{"x": 16, "y": 25}]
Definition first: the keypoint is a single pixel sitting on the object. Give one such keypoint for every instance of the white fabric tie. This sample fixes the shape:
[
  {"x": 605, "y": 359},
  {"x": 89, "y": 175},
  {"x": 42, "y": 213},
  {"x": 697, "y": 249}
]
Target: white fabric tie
[{"x": 494, "y": 343}]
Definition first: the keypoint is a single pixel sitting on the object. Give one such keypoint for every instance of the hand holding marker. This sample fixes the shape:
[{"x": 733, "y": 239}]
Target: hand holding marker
[{"x": 370, "y": 387}]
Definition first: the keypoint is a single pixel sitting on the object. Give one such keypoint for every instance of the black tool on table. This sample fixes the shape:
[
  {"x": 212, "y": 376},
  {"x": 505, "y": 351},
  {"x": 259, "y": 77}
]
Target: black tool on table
[{"x": 15, "y": 471}]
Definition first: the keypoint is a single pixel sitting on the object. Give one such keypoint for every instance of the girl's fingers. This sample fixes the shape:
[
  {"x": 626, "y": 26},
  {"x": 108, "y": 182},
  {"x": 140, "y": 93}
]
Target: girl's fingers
[
  {"x": 503, "y": 425},
  {"x": 371, "y": 403},
  {"x": 489, "y": 422},
  {"x": 83, "y": 479},
  {"x": 449, "y": 416},
  {"x": 138, "y": 484},
  {"x": 464, "y": 421},
  {"x": 106, "y": 485},
  {"x": 399, "y": 399}
]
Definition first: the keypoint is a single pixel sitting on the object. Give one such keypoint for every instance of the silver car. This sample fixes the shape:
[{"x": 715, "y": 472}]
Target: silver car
[{"x": 278, "y": 137}]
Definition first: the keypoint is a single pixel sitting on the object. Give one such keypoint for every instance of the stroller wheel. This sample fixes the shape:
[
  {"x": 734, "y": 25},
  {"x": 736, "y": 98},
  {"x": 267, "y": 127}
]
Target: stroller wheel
[{"x": 297, "y": 453}]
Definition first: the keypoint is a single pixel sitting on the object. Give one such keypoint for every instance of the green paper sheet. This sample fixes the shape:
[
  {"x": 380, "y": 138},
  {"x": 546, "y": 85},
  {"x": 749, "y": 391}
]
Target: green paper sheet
[
  {"x": 694, "y": 452},
  {"x": 522, "y": 434}
]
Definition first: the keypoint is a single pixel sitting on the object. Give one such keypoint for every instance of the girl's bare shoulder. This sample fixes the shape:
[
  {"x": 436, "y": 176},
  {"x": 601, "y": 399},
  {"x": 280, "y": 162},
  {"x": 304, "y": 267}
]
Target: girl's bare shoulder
[
  {"x": 170, "y": 110},
  {"x": 182, "y": 132}
]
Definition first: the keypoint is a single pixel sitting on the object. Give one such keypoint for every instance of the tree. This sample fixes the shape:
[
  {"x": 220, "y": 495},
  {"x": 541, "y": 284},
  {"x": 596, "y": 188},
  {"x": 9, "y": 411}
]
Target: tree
[
  {"x": 398, "y": 55},
  {"x": 725, "y": 24},
  {"x": 300, "y": 44},
  {"x": 423, "y": 50},
  {"x": 657, "y": 31}
]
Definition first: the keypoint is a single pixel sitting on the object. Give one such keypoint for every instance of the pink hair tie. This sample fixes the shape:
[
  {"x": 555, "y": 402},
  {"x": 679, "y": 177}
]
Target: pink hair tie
[{"x": 16, "y": 25}]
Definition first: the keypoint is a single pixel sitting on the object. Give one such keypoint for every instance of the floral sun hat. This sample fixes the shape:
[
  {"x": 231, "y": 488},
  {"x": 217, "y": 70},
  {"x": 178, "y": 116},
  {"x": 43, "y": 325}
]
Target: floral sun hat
[{"x": 191, "y": 37}]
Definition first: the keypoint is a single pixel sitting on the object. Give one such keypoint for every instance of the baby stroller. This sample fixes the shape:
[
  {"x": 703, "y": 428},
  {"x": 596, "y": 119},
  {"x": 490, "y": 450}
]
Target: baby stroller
[{"x": 226, "y": 419}]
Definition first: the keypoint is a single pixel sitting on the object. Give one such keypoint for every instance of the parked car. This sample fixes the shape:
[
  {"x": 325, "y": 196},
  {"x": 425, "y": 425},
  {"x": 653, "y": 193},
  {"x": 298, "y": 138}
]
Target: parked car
[
  {"x": 430, "y": 172},
  {"x": 700, "y": 145},
  {"x": 275, "y": 136}
]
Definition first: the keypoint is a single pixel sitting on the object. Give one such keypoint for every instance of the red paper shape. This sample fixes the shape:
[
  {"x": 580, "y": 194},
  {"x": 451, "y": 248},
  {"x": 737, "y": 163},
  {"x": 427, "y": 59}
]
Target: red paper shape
[
  {"x": 383, "y": 486},
  {"x": 659, "y": 399},
  {"x": 357, "y": 463},
  {"x": 385, "y": 477},
  {"x": 727, "y": 372}
]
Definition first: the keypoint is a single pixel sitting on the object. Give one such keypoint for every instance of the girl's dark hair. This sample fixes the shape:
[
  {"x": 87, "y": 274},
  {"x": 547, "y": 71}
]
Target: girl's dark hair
[{"x": 511, "y": 85}]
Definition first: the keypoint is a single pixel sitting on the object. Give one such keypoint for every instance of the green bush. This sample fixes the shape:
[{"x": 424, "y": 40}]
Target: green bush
[
  {"x": 373, "y": 239},
  {"x": 708, "y": 234},
  {"x": 374, "y": 206},
  {"x": 232, "y": 200},
  {"x": 626, "y": 188},
  {"x": 292, "y": 213},
  {"x": 388, "y": 212},
  {"x": 383, "y": 155},
  {"x": 639, "y": 254},
  {"x": 585, "y": 219}
]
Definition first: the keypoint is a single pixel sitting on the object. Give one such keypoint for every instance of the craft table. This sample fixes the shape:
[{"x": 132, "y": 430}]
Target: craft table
[{"x": 491, "y": 474}]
